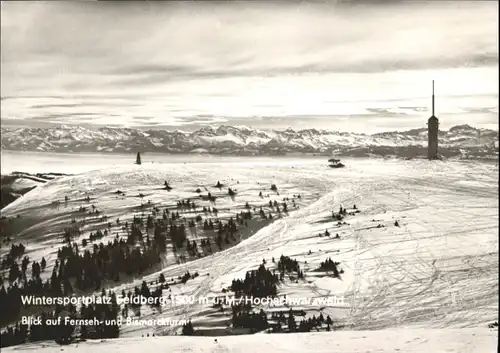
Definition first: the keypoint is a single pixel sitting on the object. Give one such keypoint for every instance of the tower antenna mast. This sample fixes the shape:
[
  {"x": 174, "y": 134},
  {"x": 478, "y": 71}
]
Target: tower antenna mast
[{"x": 432, "y": 97}]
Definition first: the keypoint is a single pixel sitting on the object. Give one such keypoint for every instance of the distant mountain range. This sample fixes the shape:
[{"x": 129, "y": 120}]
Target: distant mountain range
[{"x": 462, "y": 141}]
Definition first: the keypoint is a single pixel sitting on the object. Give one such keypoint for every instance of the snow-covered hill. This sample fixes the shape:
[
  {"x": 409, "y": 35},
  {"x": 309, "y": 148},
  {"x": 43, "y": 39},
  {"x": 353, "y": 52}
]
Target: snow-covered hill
[
  {"x": 437, "y": 269},
  {"x": 429, "y": 284},
  {"x": 459, "y": 141},
  {"x": 382, "y": 341},
  {"x": 17, "y": 184}
]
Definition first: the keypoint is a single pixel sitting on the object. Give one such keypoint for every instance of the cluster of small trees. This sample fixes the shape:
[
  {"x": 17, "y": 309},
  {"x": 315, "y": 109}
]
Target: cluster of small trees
[
  {"x": 339, "y": 216},
  {"x": 225, "y": 232},
  {"x": 242, "y": 217},
  {"x": 177, "y": 234},
  {"x": 188, "y": 329},
  {"x": 208, "y": 225},
  {"x": 187, "y": 276},
  {"x": 286, "y": 264},
  {"x": 260, "y": 283},
  {"x": 10, "y": 297},
  {"x": 88, "y": 269},
  {"x": 281, "y": 319},
  {"x": 15, "y": 252},
  {"x": 305, "y": 325},
  {"x": 91, "y": 267},
  {"x": 263, "y": 214},
  {"x": 106, "y": 315},
  {"x": 146, "y": 292},
  {"x": 210, "y": 210},
  {"x": 246, "y": 319},
  {"x": 95, "y": 236},
  {"x": 220, "y": 241},
  {"x": 329, "y": 265},
  {"x": 69, "y": 232},
  {"x": 173, "y": 216},
  {"x": 104, "y": 262},
  {"x": 186, "y": 205},
  {"x": 10, "y": 303},
  {"x": 275, "y": 206},
  {"x": 192, "y": 248},
  {"x": 22, "y": 333}
]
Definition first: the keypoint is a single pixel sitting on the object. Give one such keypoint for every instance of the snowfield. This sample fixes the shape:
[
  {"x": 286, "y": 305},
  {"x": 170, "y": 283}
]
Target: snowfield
[
  {"x": 383, "y": 341},
  {"x": 427, "y": 285}
]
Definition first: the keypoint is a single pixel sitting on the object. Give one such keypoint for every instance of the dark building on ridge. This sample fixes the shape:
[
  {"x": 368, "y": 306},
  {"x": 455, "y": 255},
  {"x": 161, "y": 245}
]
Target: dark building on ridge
[{"x": 432, "y": 132}]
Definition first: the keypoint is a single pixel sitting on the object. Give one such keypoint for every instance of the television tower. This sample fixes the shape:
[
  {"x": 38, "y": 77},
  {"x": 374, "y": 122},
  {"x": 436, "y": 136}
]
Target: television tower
[{"x": 432, "y": 132}]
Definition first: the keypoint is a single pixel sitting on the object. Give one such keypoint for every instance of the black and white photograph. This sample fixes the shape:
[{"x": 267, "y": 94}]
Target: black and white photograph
[{"x": 249, "y": 176}]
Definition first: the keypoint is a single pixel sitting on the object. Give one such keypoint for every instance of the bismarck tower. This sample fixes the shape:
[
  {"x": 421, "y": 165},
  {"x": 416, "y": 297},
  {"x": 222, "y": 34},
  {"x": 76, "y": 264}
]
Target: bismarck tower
[{"x": 432, "y": 131}]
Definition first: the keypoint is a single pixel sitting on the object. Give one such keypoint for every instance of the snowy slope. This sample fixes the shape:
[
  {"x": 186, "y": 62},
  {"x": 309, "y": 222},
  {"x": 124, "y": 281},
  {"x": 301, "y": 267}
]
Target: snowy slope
[
  {"x": 459, "y": 141},
  {"x": 15, "y": 185},
  {"x": 383, "y": 341},
  {"x": 439, "y": 269}
]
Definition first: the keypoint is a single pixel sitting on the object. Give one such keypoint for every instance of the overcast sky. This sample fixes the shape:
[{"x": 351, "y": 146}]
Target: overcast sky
[{"x": 347, "y": 66}]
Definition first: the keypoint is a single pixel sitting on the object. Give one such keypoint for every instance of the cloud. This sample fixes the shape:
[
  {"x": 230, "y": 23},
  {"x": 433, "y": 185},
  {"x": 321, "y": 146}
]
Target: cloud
[
  {"x": 94, "y": 38},
  {"x": 230, "y": 59}
]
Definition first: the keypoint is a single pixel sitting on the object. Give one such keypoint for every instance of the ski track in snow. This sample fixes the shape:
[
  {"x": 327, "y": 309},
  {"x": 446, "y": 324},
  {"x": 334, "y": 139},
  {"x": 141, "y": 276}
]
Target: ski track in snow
[{"x": 439, "y": 269}]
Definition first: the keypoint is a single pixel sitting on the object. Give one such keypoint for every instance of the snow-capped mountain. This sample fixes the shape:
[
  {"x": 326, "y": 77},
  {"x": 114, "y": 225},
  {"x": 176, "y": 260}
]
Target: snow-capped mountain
[{"x": 459, "y": 141}]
